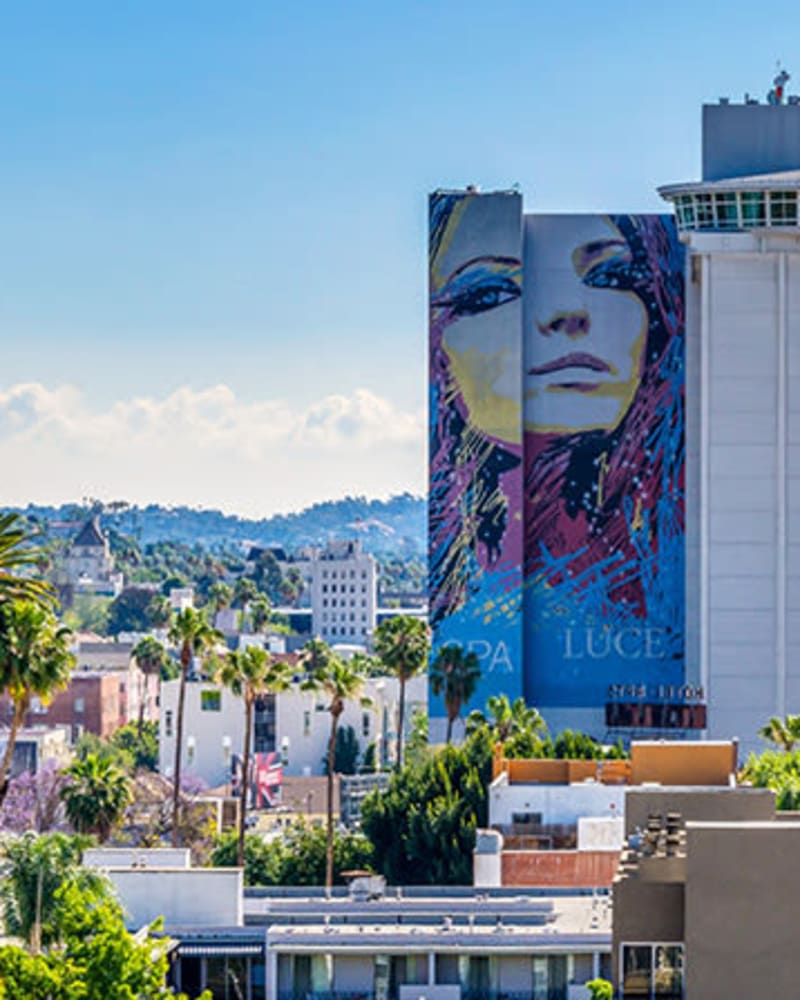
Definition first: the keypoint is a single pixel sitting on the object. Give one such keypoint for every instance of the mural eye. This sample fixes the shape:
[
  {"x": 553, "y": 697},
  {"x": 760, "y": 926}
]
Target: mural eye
[{"x": 484, "y": 295}]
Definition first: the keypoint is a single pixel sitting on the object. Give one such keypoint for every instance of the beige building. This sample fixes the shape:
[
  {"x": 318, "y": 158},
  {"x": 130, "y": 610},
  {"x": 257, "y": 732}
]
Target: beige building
[
  {"x": 706, "y": 895},
  {"x": 88, "y": 566}
]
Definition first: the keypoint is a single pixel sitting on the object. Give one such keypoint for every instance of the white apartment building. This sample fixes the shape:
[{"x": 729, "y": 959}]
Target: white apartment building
[
  {"x": 344, "y": 593},
  {"x": 741, "y": 227},
  {"x": 296, "y": 723}
]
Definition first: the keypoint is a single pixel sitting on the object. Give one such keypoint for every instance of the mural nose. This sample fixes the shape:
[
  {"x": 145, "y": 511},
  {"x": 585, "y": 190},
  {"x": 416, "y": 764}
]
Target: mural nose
[{"x": 573, "y": 323}]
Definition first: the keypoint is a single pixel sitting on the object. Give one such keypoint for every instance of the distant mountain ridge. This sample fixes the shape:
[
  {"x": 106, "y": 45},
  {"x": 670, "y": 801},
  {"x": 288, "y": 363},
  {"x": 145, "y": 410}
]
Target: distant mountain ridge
[{"x": 395, "y": 526}]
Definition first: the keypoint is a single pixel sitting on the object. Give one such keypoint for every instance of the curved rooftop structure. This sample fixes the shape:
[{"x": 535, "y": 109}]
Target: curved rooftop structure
[{"x": 758, "y": 201}]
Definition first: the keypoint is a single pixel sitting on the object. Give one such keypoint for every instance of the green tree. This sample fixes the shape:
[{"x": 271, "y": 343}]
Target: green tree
[
  {"x": 250, "y": 673},
  {"x": 403, "y": 644},
  {"x": 220, "y": 596},
  {"x": 18, "y": 555},
  {"x": 95, "y": 956},
  {"x": 340, "y": 681},
  {"x": 260, "y": 613},
  {"x": 33, "y": 867},
  {"x": 506, "y": 719},
  {"x": 600, "y": 989},
  {"x": 159, "y": 612},
  {"x": 298, "y": 858},
  {"x": 35, "y": 661},
  {"x": 137, "y": 743},
  {"x": 192, "y": 634},
  {"x": 784, "y": 733},
  {"x": 422, "y": 828},
  {"x": 244, "y": 591},
  {"x": 454, "y": 675},
  {"x": 95, "y": 795},
  {"x": 346, "y": 752},
  {"x": 151, "y": 659}
]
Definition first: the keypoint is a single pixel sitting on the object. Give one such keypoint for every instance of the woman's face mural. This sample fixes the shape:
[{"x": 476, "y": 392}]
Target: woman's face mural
[
  {"x": 474, "y": 279},
  {"x": 584, "y": 345},
  {"x": 557, "y": 447}
]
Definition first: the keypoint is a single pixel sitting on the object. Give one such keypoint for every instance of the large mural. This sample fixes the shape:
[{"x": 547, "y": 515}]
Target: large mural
[
  {"x": 556, "y": 448},
  {"x": 603, "y": 336},
  {"x": 476, "y": 430}
]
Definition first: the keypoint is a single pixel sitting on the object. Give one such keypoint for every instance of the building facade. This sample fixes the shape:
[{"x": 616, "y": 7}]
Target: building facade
[
  {"x": 556, "y": 447},
  {"x": 344, "y": 593},
  {"x": 740, "y": 228},
  {"x": 615, "y": 444}
]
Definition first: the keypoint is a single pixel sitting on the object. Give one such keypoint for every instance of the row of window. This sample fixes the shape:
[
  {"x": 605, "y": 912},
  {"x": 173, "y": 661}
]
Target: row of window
[
  {"x": 652, "y": 970},
  {"x": 343, "y": 630},
  {"x": 343, "y": 588},
  {"x": 342, "y": 603},
  {"x": 344, "y": 574},
  {"x": 729, "y": 210}
]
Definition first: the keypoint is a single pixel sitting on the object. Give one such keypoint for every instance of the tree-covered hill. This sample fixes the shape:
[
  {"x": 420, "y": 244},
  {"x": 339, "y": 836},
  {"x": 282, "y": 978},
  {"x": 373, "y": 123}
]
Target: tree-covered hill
[{"x": 396, "y": 526}]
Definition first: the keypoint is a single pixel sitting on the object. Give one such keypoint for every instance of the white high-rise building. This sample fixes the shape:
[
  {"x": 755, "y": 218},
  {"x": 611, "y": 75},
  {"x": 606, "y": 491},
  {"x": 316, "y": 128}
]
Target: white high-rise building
[
  {"x": 344, "y": 590},
  {"x": 740, "y": 226}
]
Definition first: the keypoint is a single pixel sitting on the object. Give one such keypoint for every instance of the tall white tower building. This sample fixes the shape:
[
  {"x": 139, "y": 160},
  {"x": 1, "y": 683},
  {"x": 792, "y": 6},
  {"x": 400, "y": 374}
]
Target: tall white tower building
[{"x": 740, "y": 226}]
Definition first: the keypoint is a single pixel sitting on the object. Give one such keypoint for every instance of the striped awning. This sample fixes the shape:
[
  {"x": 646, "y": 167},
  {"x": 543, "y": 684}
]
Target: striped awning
[{"x": 210, "y": 950}]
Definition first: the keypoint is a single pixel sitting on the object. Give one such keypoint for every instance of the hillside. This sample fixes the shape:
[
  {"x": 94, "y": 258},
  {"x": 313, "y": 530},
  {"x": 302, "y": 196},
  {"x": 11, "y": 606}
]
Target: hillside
[{"x": 396, "y": 526}]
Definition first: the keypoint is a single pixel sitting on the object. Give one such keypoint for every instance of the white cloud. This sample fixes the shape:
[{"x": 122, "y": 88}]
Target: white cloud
[{"x": 205, "y": 448}]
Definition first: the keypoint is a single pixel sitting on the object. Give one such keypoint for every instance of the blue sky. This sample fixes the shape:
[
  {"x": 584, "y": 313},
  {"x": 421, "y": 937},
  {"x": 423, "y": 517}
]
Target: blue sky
[{"x": 213, "y": 215}]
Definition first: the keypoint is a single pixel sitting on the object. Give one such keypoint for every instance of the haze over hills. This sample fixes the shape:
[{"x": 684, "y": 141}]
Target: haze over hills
[{"x": 395, "y": 526}]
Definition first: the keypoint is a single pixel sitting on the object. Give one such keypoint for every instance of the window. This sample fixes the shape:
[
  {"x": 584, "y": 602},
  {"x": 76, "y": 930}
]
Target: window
[
  {"x": 168, "y": 723},
  {"x": 783, "y": 208},
  {"x": 79, "y": 705},
  {"x": 210, "y": 701},
  {"x": 652, "y": 970},
  {"x": 324, "y": 588},
  {"x": 705, "y": 211},
  {"x": 306, "y": 723},
  {"x": 333, "y": 588},
  {"x": 727, "y": 210},
  {"x": 753, "y": 210},
  {"x": 324, "y": 602},
  {"x": 365, "y": 724}
]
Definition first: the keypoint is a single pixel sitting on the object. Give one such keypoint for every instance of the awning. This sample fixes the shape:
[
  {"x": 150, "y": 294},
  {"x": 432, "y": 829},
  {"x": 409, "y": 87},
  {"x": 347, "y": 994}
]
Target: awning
[{"x": 210, "y": 950}]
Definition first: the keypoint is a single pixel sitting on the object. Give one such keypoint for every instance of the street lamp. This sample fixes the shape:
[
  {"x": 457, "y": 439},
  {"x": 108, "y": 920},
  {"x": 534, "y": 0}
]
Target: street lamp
[
  {"x": 380, "y": 687},
  {"x": 285, "y": 750},
  {"x": 191, "y": 745},
  {"x": 226, "y": 760}
]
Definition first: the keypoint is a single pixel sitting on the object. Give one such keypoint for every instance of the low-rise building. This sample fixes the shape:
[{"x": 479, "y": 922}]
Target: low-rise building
[
  {"x": 35, "y": 745},
  {"x": 88, "y": 566},
  {"x": 90, "y": 703},
  {"x": 295, "y": 724},
  {"x": 705, "y": 897},
  {"x": 561, "y": 822}
]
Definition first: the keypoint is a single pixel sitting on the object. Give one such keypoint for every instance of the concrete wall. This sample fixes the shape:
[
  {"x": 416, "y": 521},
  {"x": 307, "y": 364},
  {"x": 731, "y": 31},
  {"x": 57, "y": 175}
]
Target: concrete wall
[
  {"x": 196, "y": 897},
  {"x": 353, "y": 972},
  {"x": 556, "y": 803},
  {"x": 717, "y": 804},
  {"x": 743, "y": 884},
  {"x": 747, "y": 509},
  {"x": 648, "y": 911},
  {"x": 742, "y": 139},
  {"x": 677, "y": 763}
]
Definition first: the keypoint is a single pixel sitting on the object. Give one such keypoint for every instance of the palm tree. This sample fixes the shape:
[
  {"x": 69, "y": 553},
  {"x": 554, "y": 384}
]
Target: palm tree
[
  {"x": 220, "y": 595},
  {"x": 505, "y": 719},
  {"x": 403, "y": 644},
  {"x": 35, "y": 660},
  {"x": 17, "y": 553},
  {"x": 341, "y": 681},
  {"x": 150, "y": 657},
  {"x": 260, "y": 613},
  {"x": 192, "y": 634},
  {"x": 250, "y": 673},
  {"x": 784, "y": 733},
  {"x": 33, "y": 867},
  {"x": 159, "y": 611},
  {"x": 455, "y": 675},
  {"x": 95, "y": 795}
]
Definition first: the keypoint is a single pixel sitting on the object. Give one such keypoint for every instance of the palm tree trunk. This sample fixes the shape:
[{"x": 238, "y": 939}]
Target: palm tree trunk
[
  {"x": 245, "y": 785},
  {"x": 8, "y": 756},
  {"x": 401, "y": 714},
  {"x": 142, "y": 700},
  {"x": 331, "y": 768},
  {"x": 176, "y": 788},
  {"x": 449, "y": 728}
]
